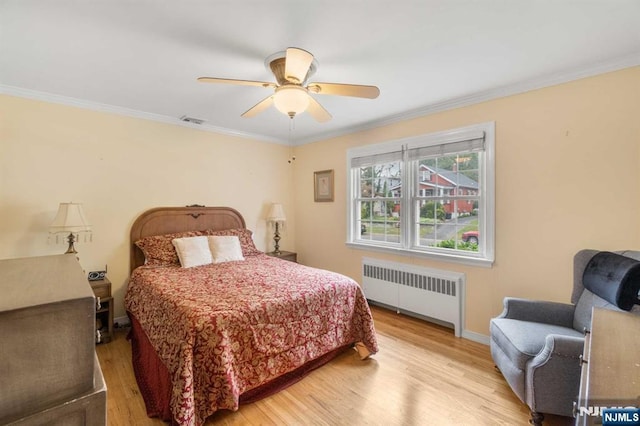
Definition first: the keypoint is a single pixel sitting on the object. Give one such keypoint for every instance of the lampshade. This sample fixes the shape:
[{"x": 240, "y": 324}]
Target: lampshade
[
  {"x": 276, "y": 214},
  {"x": 291, "y": 100},
  {"x": 70, "y": 218}
]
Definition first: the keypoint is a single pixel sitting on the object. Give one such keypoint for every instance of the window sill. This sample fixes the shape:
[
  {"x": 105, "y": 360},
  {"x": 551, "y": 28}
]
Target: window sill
[{"x": 453, "y": 258}]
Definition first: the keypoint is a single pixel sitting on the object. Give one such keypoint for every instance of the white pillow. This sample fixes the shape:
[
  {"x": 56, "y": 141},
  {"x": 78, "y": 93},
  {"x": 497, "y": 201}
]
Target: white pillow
[
  {"x": 192, "y": 251},
  {"x": 225, "y": 248}
]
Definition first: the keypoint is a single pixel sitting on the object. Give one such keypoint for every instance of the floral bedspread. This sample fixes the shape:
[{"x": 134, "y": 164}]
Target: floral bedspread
[{"x": 223, "y": 329}]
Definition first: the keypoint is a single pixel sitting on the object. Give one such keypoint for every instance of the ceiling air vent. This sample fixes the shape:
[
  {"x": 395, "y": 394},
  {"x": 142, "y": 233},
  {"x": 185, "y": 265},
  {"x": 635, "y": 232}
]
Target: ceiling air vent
[{"x": 191, "y": 120}]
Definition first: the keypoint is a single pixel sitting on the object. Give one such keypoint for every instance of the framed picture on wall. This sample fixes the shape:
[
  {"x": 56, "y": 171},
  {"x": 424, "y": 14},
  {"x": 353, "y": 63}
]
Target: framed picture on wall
[{"x": 323, "y": 185}]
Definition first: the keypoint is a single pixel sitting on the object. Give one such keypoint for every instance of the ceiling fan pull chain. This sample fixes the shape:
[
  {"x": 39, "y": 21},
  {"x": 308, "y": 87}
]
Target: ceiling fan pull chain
[{"x": 292, "y": 127}]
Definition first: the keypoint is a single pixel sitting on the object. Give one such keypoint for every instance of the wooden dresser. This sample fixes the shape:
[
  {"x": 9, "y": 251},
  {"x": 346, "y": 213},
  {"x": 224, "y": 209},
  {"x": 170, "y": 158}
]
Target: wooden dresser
[
  {"x": 610, "y": 365},
  {"x": 48, "y": 368}
]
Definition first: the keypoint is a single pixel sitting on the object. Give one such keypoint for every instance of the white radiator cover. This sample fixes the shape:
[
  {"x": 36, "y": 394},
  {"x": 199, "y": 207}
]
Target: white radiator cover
[{"x": 432, "y": 293}]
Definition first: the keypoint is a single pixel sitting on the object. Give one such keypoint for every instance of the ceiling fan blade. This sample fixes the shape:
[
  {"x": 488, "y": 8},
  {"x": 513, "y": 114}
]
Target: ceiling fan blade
[
  {"x": 297, "y": 65},
  {"x": 356, "y": 90},
  {"x": 258, "y": 108},
  {"x": 317, "y": 111},
  {"x": 239, "y": 82}
]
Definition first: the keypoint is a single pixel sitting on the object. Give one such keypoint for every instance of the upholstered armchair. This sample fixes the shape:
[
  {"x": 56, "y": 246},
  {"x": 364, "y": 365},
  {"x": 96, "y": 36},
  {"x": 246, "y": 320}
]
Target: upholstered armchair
[{"x": 536, "y": 345}]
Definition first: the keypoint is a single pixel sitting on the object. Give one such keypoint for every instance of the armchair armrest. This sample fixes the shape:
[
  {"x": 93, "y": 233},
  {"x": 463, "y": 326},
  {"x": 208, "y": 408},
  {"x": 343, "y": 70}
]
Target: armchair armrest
[
  {"x": 558, "y": 345},
  {"x": 538, "y": 311},
  {"x": 553, "y": 376}
]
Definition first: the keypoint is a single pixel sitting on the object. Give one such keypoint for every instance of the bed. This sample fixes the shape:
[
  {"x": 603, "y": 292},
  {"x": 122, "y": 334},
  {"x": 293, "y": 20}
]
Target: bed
[{"x": 217, "y": 335}]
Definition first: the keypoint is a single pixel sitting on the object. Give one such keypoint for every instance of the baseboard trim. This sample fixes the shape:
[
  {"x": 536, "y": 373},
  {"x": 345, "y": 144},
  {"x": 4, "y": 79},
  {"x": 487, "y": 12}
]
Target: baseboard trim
[
  {"x": 476, "y": 337},
  {"x": 120, "y": 322},
  {"x": 470, "y": 335}
]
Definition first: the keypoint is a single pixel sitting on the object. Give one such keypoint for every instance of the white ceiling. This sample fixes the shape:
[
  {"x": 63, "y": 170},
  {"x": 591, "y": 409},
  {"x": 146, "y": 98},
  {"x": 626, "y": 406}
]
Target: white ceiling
[{"x": 142, "y": 57}]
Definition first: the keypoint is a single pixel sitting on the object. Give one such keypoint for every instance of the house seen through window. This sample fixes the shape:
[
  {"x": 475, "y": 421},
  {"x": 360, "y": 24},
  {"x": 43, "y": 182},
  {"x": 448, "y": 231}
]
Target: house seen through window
[{"x": 430, "y": 195}]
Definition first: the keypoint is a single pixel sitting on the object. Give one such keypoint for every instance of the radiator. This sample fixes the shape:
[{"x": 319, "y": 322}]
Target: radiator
[{"x": 431, "y": 293}]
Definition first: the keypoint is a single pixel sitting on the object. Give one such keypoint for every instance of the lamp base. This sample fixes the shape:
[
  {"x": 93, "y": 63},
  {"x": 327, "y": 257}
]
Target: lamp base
[
  {"x": 276, "y": 238},
  {"x": 71, "y": 239}
]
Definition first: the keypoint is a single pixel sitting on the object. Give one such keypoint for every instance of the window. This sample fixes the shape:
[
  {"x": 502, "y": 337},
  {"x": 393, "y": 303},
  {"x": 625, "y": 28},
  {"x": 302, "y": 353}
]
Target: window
[{"x": 430, "y": 195}]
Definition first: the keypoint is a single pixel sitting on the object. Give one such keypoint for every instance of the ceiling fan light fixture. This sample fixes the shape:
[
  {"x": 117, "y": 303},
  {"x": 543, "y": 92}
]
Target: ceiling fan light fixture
[
  {"x": 291, "y": 100},
  {"x": 292, "y": 68}
]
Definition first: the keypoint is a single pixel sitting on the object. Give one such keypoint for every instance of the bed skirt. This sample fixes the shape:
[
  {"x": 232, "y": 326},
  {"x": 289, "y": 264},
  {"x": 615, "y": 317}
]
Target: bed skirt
[{"x": 155, "y": 384}]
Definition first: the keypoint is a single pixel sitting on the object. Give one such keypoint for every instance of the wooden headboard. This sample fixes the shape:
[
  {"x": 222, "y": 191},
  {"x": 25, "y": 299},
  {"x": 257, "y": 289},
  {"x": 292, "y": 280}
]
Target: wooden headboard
[{"x": 168, "y": 220}]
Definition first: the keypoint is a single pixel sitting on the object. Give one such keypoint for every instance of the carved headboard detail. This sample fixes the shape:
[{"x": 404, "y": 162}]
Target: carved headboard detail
[{"x": 168, "y": 220}]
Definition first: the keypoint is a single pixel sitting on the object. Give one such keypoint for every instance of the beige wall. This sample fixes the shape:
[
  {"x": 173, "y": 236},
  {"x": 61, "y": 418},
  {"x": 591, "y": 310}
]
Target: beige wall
[
  {"x": 567, "y": 178},
  {"x": 119, "y": 167}
]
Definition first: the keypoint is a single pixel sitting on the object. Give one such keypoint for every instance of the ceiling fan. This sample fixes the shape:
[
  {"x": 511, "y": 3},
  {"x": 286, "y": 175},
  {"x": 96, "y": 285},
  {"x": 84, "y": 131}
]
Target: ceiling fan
[{"x": 291, "y": 69}]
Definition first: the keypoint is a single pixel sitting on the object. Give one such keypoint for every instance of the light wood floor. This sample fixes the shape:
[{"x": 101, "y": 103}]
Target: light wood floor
[{"x": 423, "y": 375}]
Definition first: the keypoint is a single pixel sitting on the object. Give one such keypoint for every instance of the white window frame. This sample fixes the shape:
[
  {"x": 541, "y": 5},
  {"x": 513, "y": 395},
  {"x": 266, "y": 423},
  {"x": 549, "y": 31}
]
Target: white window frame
[{"x": 486, "y": 225}]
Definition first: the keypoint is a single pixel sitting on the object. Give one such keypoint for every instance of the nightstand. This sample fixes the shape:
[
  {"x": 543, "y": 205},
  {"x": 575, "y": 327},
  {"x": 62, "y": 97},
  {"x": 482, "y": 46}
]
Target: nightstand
[
  {"x": 104, "y": 309},
  {"x": 285, "y": 255}
]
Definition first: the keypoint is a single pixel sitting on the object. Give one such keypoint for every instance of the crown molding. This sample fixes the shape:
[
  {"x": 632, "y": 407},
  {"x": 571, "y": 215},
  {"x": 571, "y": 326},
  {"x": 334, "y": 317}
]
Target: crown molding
[
  {"x": 540, "y": 82},
  {"x": 96, "y": 106}
]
